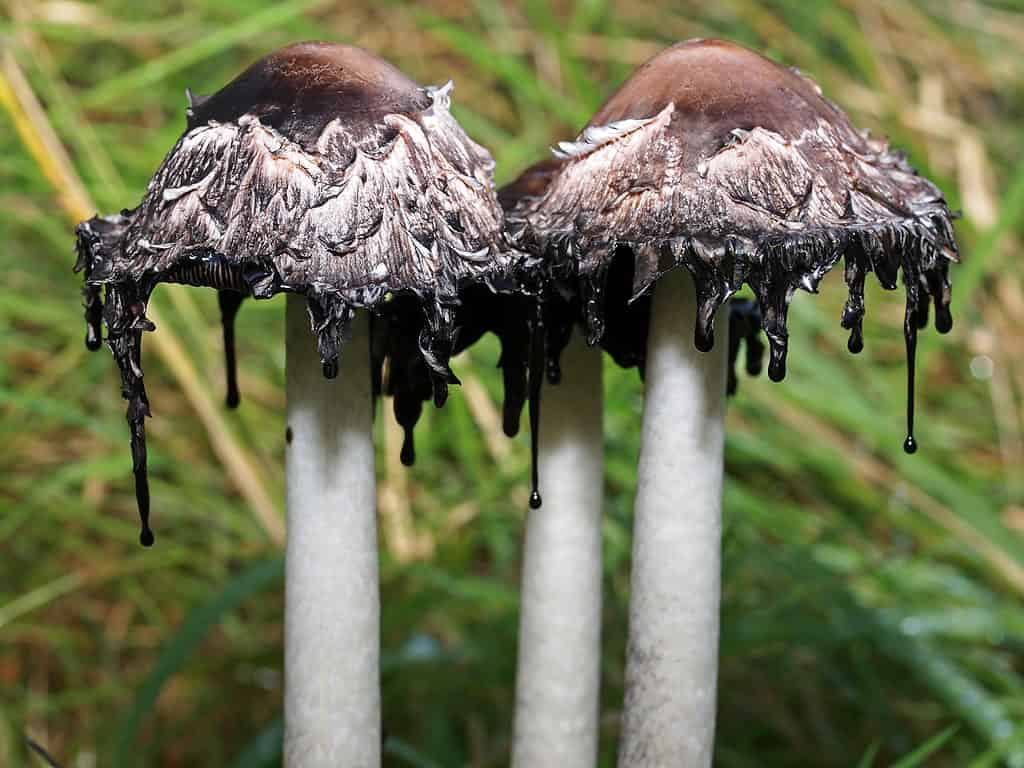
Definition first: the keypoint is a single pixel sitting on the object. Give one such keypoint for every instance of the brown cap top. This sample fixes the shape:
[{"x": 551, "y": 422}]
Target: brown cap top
[
  {"x": 301, "y": 88},
  {"x": 721, "y": 85}
]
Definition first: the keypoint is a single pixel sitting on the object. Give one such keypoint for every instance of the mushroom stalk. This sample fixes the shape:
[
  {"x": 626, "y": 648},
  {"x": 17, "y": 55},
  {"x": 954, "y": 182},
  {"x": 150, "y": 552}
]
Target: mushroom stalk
[
  {"x": 558, "y": 683},
  {"x": 672, "y": 652},
  {"x": 332, "y": 594}
]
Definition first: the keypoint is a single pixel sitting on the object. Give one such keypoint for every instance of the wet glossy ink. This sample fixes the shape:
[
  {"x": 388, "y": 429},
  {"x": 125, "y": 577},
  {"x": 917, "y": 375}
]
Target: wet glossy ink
[
  {"x": 745, "y": 327},
  {"x": 229, "y": 302},
  {"x": 853, "y": 311},
  {"x": 856, "y": 342},
  {"x": 404, "y": 329},
  {"x": 910, "y": 326},
  {"x": 513, "y": 362},
  {"x": 538, "y": 360},
  {"x": 138, "y": 442},
  {"x": 124, "y": 316},
  {"x": 704, "y": 338},
  {"x": 921, "y": 252},
  {"x": 408, "y": 452},
  {"x": 408, "y": 406},
  {"x": 511, "y": 408}
]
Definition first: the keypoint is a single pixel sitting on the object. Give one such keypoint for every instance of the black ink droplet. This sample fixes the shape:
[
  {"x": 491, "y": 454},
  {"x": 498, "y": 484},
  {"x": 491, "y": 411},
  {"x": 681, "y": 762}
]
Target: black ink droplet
[
  {"x": 408, "y": 454},
  {"x": 856, "y": 341},
  {"x": 776, "y": 360},
  {"x": 510, "y": 417},
  {"x": 704, "y": 339},
  {"x": 853, "y": 311},
  {"x": 910, "y": 444},
  {"x": 288, "y": 435},
  {"x": 535, "y": 500},
  {"x": 331, "y": 369}
]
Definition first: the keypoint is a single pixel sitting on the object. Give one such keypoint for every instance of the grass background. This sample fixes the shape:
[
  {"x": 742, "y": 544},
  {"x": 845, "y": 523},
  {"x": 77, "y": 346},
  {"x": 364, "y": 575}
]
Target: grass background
[{"x": 872, "y": 601}]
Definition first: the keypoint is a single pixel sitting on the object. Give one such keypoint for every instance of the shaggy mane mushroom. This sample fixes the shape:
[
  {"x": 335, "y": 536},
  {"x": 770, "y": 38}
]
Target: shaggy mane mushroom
[
  {"x": 324, "y": 173},
  {"x": 715, "y": 159}
]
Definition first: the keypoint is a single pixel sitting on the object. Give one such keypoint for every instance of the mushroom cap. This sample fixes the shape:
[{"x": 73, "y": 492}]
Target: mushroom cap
[
  {"x": 717, "y": 159},
  {"x": 323, "y": 165},
  {"x": 320, "y": 170}
]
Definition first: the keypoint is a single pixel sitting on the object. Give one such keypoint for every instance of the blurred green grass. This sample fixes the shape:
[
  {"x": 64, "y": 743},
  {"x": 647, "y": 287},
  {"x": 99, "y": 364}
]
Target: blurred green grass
[{"x": 872, "y": 601}]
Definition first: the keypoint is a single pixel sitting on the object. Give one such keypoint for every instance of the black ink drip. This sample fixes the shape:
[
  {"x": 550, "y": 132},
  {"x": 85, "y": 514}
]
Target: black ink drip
[
  {"x": 408, "y": 453},
  {"x": 125, "y": 318},
  {"x": 395, "y": 334},
  {"x": 229, "y": 302},
  {"x": 775, "y": 268},
  {"x": 853, "y": 311},
  {"x": 513, "y": 374},
  {"x": 744, "y": 326},
  {"x": 536, "y": 373},
  {"x": 138, "y": 410},
  {"x": 146, "y": 537},
  {"x": 910, "y": 324}
]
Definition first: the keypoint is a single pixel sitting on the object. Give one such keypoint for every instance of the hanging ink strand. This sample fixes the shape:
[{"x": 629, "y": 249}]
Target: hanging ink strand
[
  {"x": 538, "y": 360},
  {"x": 910, "y": 325},
  {"x": 229, "y": 302}
]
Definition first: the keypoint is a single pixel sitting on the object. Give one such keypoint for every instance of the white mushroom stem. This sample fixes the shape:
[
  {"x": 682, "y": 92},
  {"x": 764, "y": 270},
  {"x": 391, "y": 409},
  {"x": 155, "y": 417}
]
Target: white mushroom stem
[
  {"x": 557, "y": 688},
  {"x": 672, "y": 653},
  {"x": 332, "y": 593}
]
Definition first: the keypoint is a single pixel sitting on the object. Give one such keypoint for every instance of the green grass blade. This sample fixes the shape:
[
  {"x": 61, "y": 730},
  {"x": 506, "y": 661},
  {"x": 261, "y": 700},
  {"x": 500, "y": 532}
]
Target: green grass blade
[
  {"x": 265, "y": 749},
  {"x": 184, "y": 643},
  {"x": 155, "y": 70},
  {"x": 926, "y": 750},
  {"x": 868, "y": 760}
]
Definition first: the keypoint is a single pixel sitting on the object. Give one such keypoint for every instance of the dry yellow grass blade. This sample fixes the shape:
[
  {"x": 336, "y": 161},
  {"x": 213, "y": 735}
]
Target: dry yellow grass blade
[
  {"x": 404, "y": 539},
  {"x": 485, "y": 414},
  {"x": 36, "y": 133}
]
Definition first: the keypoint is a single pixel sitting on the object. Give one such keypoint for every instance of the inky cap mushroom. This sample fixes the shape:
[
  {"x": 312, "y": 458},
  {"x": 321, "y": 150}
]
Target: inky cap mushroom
[
  {"x": 320, "y": 170},
  {"x": 714, "y": 158}
]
